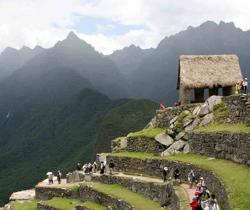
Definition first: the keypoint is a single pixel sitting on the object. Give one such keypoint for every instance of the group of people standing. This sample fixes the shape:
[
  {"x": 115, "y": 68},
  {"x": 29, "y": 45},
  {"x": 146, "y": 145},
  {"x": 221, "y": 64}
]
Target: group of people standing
[
  {"x": 241, "y": 87},
  {"x": 52, "y": 175},
  {"x": 202, "y": 199},
  {"x": 89, "y": 168}
]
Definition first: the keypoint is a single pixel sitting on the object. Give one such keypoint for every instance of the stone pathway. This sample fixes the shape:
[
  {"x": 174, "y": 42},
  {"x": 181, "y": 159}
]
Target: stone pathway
[
  {"x": 138, "y": 177},
  {"x": 189, "y": 192}
]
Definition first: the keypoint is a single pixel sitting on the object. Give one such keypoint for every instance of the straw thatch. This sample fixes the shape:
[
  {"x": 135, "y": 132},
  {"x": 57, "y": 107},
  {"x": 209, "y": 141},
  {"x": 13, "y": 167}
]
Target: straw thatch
[{"x": 208, "y": 71}]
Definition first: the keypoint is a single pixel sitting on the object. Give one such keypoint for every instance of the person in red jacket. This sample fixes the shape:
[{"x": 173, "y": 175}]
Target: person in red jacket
[
  {"x": 162, "y": 107},
  {"x": 194, "y": 204}
]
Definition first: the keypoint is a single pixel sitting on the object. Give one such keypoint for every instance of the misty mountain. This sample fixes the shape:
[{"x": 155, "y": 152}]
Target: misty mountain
[
  {"x": 129, "y": 59},
  {"x": 155, "y": 77},
  {"x": 57, "y": 137},
  {"x": 76, "y": 54},
  {"x": 12, "y": 59}
]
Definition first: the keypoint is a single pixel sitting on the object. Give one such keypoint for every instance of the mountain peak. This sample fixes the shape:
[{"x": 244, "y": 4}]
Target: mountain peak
[
  {"x": 8, "y": 51},
  {"x": 72, "y": 36},
  {"x": 25, "y": 49}
]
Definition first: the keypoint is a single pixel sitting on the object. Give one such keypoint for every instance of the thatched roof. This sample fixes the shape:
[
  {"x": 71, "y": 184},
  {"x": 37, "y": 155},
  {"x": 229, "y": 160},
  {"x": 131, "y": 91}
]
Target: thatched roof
[{"x": 207, "y": 71}]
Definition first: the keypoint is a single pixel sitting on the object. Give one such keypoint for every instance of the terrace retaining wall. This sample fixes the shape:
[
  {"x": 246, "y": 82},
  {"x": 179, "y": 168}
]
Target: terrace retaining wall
[
  {"x": 154, "y": 166},
  {"x": 224, "y": 145}
]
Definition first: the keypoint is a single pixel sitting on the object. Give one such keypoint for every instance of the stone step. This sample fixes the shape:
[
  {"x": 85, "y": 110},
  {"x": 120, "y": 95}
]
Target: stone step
[
  {"x": 116, "y": 196},
  {"x": 152, "y": 188},
  {"x": 57, "y": 203}
]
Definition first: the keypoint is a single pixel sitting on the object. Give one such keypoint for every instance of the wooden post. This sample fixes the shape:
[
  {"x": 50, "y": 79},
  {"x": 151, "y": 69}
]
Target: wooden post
[
  {"x": 214, "y": 91},
  {"x": 198, "y": 95},
  {"x": 184, "y": 96}
]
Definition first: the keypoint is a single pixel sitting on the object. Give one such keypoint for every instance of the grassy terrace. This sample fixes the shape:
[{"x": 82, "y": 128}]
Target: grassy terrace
[
  {"x": 214, "y": 127},
  {"x": 26, "y": 205},
  {"x": 234, "y": 176},
  {"x": 150, "y": 132},
  {"x": 138, "y": 201},
  {"x": 183, "y": 199},
  {"x": 70, "y": 204}
]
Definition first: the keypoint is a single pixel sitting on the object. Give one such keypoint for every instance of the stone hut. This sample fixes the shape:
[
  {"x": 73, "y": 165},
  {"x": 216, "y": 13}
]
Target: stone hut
[{"x": 199, "y": 72}]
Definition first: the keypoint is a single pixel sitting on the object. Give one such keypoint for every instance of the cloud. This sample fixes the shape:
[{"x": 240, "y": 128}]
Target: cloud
[{"x": 114, "y": 24}]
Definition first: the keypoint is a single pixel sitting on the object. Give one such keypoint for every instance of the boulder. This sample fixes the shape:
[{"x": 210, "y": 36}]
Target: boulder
[
  {"x": 207, "y": 119},
  {"x": 204, "y": 109},
  {"x": 187, "y": 121},
  {"x": 178, "y": 145},
  {"x": 119, "y": 144},
  {"x": 213, "y": 101},
  {"x": 173, "y": 120},
  {"x": 75, "y": 176},
  {"x": 179, "y": 136},
  {"x": 151, "y": 124},
  {"x": 186, "y": 148},
  {"x": 193, "y": 125},
  {"x": 174, "y": 148},
  {"x": 196, "y": 110},
  {"x": 168, "y": 151},
  {"x": 164, "y": 139}
]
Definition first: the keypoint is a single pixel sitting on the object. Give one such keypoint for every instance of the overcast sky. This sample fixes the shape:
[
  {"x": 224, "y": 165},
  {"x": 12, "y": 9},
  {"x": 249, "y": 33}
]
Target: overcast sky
[{"x": 110, "y": 24}]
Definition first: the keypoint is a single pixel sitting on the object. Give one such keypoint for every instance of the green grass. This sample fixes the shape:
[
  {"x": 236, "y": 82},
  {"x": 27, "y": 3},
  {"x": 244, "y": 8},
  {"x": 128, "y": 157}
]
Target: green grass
[
  {"x": 94, "y": 206},
  {"x": 150, "y": 132},
  {"x": 63, "y": 203},
  {"x": 70, "y": 204},
  {"x": 216, "y": 127},
  {"x": 138, "y": 201},
  {"x": 182, "y": 197},
  {"x": 26, "y": 205},
  {"x": 220, "y": 111},
  {"x": 234, "y": 176},
  {"x": 75, "y": 187},
  {"x": 135, "y": 155}
]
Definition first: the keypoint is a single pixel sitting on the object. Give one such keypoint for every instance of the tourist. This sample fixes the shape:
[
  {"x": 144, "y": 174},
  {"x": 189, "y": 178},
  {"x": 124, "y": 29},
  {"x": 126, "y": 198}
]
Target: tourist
[
  {"x": 102, "y": 168},
  {"x": 204, "y": 203},
  {"x": 237, "y": 88},
  {"x": 79, "y": 166},
  {"x": 162, "y": 106},
  {"x": 177, "y": 174},
  {"x": 94, "y": 166},
  {"x": 90, "y": 168},
  {"x": 194, "y": 204},
  {"x": 164, "y": 173},
  {"x": 111, "y": 167},
  {"x": 191, "y": 178},
  {"x": 50, "y": 178},
  {"x": 84, "y": 168},
  {"x": 212, "y": 203},
  {"x": 59, "y": 176},
  {"x": 245, "y": 85}
]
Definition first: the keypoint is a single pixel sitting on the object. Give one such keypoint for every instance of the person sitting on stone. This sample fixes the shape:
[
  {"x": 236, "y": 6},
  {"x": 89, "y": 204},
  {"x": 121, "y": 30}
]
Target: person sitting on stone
[
  {"x": 111, "y": 167},
  {"x": 165, "y": 173}
]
